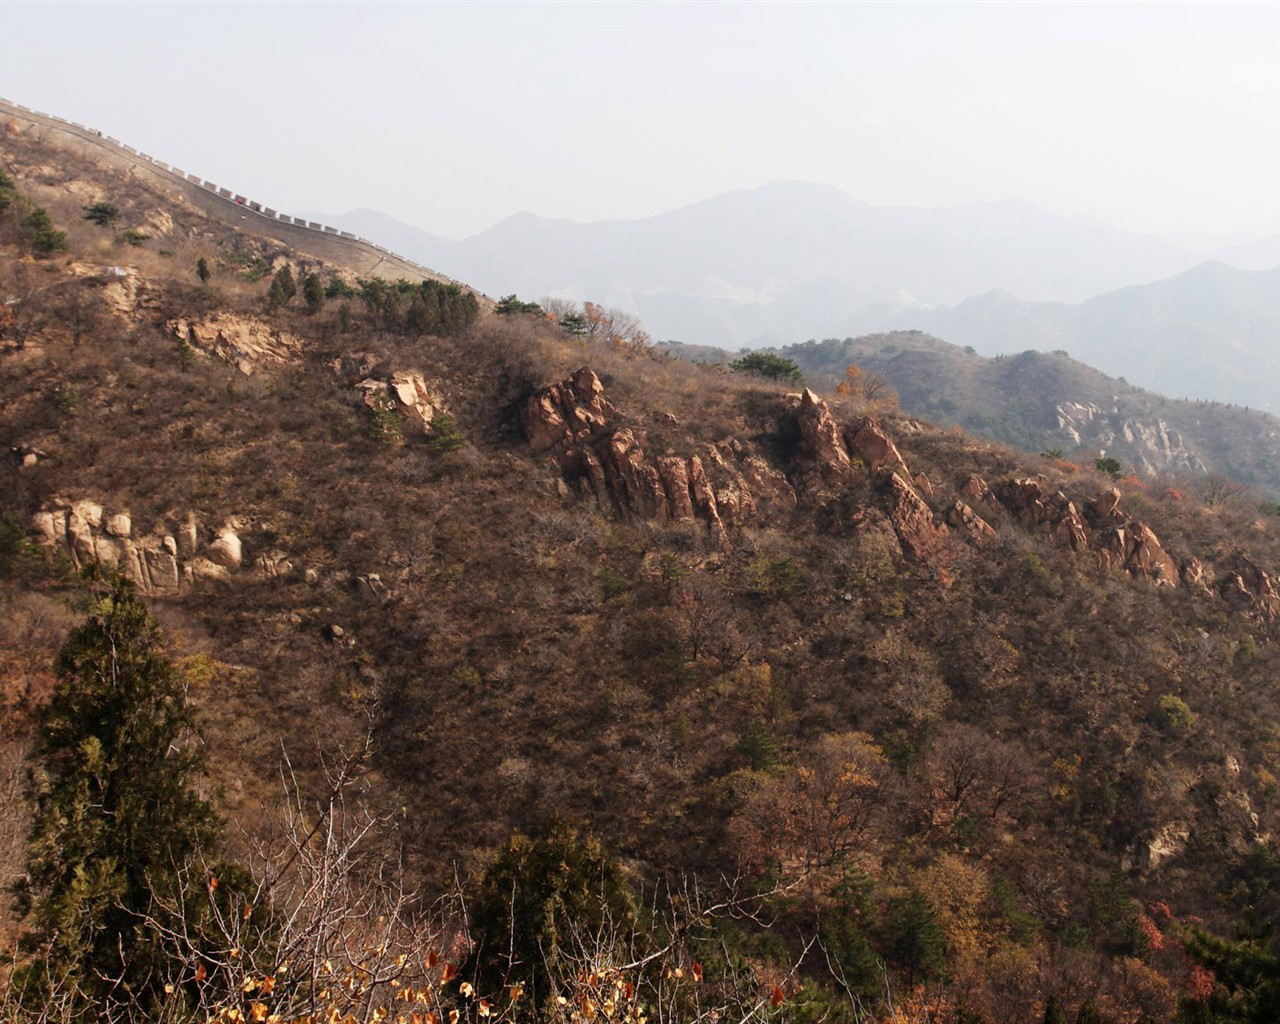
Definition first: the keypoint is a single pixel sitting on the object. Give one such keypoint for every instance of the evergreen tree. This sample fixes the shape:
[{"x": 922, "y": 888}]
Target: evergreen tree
[
  {"x": 202, "y": 270},
  {"x": 916, "y": 941},
  {"x": 283, "y": 287},
  {"x": 42, "y": 237},
  {"x": 1246, "y": 975},
  {"x": 118, "y": 819},
  {"x": 443, "y": 435},
  {"x": 537, "y": 902},
  {"x": 313, "y": 292},
  {"x": 1053, "y": 1011},
  {"x": 766, "y": 364}
]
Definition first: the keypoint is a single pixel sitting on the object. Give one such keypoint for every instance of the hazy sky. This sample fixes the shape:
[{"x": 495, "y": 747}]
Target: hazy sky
[{"x": 1162, "y": 117}]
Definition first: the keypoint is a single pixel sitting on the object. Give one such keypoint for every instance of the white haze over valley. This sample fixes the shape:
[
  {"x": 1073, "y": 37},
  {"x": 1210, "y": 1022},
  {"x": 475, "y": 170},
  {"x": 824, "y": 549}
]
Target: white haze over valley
[{"x": 746, "y": 174}]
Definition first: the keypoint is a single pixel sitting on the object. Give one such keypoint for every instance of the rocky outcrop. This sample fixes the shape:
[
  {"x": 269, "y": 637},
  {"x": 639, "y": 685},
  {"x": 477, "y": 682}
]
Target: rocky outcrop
[
  {"x": 1151, "y": 446},
  {"x": 1054, "y": 514},
  {"x": 160, "y": 562},
  {"x": 566, "y": 414},
  {"x": 976, "y": 530},
  {"x": 1169, "y": 842},
  {"x": 822, "y": 459},
  {"x": 868, "y": 441},
  {"x": 408, "y": 393},
  {"x": 246, "y": 343},
  {"x": 723, "y": 487},
  {"x": 1134, "y": 548},
  {"x": 1251, "y": 589},
  {"x": 922, "y": 540}
]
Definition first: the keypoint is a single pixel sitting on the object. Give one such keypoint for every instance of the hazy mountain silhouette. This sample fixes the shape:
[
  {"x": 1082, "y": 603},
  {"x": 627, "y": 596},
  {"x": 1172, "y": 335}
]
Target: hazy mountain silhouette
[
  {"x": 1210, "y": 332},
  {"x": 788, "y": 260}
]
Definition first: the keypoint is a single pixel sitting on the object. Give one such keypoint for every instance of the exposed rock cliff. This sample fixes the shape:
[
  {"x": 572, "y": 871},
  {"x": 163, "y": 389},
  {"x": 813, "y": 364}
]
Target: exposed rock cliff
[
  {"x": 163, "y": 561},
  {"x": 582, "y": 432}
]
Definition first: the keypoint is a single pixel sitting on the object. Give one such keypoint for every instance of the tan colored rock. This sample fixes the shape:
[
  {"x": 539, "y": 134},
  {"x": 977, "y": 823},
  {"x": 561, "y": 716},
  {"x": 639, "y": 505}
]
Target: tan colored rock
[
  {"x": 188, "y": 537},
  {"x": 203, "y": 569},
  {"x": 822, "y": 457},
  {"x": 975, "y": 529},
  {"x": 244, "y": 342},
  {"x": 119, "y": 525},
  {"x": 674, "y": 474},
  {"x": 704, "y": 502},
  {"x": 225, "y": 550},
  {"x": 978, "y": 496},
  {"x": 48, "y": 531},
  {"x": 1068, "y": 526},
  {"x": 88, "y": 511},
  {"x": 1105, "y": 508},
  {"x": 1251, "y": 589},
  {"x": 274, "y": 565},
  {"x": 1136, "y": 549},
  {"x": 1166, "y": 844},
  {"x": 420, "y": 404},
  {"x": 922, "y": 540},
  {"x": 873, "y": 446},
  {"x": 161, "y": 569},
  {"x": 568, "y": 412}
]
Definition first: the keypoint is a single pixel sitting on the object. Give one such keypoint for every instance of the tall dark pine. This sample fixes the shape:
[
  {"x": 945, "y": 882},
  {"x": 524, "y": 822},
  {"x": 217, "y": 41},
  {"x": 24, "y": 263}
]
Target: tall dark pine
[{"x": 119, "y": 818}]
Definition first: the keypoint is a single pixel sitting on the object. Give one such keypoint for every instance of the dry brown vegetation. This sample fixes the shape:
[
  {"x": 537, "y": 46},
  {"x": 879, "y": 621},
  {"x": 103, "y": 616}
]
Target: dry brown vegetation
[{"x": 961, "y": 778}]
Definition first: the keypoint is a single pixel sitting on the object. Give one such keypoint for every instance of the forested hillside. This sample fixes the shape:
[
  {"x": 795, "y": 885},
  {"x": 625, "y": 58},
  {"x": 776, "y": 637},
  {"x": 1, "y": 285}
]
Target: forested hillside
[{"x": 491, "y": 670}]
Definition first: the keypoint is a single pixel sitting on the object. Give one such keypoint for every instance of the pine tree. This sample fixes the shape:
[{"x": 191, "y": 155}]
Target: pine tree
[
  {"x": 537, "y": 903},
  {"x": 119, "y": 819},
  {"x": 313, "y": 292},
  {"x": 283, "y": 287}
]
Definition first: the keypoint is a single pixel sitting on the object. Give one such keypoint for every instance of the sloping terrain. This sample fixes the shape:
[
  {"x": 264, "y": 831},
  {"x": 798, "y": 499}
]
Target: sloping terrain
[
  {"x": 999, "y": 726},
  {"x": 1209, "y": 333},
  {"x": 1039, "y": 401}
]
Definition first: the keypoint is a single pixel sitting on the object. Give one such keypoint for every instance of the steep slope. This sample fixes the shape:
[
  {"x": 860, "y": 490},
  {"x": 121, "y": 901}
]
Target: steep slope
[
  {"x": 1209, "y": 333},
  {"x": 902, "y": 671}
]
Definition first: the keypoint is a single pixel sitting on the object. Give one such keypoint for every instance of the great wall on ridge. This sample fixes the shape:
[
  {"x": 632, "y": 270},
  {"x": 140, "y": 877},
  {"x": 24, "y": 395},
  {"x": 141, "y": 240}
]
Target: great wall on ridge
[{"x": 320, "y": 240}]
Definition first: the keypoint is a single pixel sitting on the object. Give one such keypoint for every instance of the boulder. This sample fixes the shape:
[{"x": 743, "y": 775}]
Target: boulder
[
  {"x": 119, "y": 525},
  {"x": 225, "y": 550}
]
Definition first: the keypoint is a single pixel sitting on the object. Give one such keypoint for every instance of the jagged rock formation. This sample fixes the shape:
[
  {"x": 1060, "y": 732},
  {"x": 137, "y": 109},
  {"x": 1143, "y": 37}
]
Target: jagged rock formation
[
  {"x": 407, "y": 392},
  {"x": 1151, "y": 447},
  {"x": 1250, "y": 588},
  {"x": 243, "y": 342},
  {"x": 161, "y": 562},
  {"x": 823, "y": 460},
  {"x": 726, "y": 486},
  {"x": 723, "y": 487}
]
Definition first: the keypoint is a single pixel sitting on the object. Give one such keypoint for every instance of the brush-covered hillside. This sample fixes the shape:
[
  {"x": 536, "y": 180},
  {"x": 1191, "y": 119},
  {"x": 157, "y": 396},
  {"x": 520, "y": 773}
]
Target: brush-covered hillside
[
  {"x": 605, "y": 686},
  {"x": 1047, "y": 401}
]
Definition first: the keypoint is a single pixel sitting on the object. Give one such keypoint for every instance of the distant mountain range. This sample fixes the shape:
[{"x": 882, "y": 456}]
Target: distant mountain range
[
  {"x": 793, "y": 260},
  {"x": 788, "y": 259}
]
